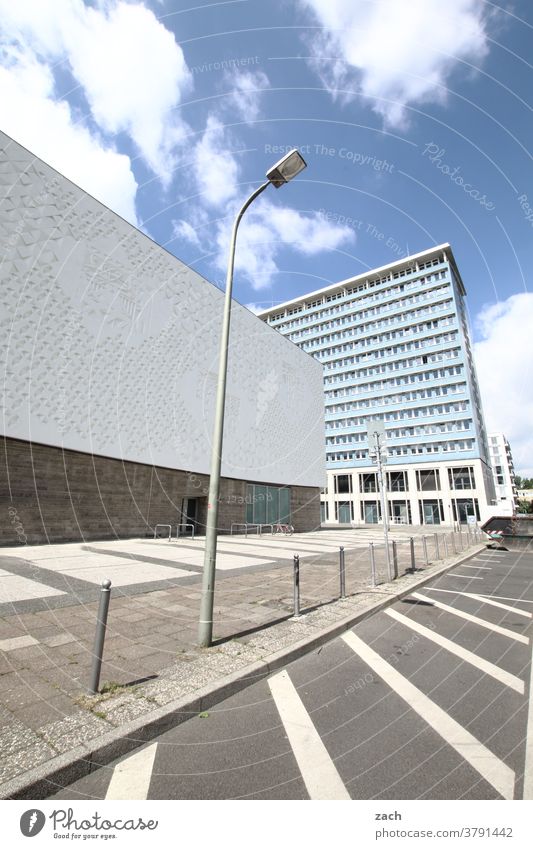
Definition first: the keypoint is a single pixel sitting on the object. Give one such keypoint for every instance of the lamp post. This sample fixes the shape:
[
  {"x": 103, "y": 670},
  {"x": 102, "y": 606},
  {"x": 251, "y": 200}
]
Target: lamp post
[{"x": 280, "y": 173}]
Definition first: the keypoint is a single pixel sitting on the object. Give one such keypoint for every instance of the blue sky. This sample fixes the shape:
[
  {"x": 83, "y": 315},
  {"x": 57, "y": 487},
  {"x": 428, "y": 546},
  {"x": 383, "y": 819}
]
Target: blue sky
[{"x": 415, "y": 120}]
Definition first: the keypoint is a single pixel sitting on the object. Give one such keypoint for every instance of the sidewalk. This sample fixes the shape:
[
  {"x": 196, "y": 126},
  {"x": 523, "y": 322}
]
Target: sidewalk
[{"x": 154, "y": 674}]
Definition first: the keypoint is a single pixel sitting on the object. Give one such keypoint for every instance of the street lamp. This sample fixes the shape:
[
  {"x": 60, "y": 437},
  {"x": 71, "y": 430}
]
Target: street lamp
[{"x": 280, "y": 173}]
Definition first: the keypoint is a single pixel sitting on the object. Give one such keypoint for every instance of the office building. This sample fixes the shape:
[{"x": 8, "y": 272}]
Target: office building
[
  {"x": 395, "y": 346},
  {"x": 501, "y": 460},
  {"x": 109, "y": 365}
]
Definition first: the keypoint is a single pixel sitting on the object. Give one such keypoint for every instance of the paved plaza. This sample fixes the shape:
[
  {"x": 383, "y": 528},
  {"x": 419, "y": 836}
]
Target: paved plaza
[{"x": 49, "y": 603}]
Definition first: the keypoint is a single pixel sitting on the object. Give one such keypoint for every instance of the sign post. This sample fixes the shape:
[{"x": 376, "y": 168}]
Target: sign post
[{"x": 377, "y": 440}]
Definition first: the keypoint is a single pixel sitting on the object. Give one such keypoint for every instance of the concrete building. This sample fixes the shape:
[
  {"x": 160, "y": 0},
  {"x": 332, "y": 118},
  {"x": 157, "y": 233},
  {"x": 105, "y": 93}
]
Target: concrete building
[
  {"x": 501, "y": 460},
  {"x": 395, "y": 346},
  {"x": 108, "y": 362}
]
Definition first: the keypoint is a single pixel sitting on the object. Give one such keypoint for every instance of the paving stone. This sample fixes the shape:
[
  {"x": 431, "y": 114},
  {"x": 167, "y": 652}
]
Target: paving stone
[
  {"x": 67, "y": 733},
  {"x": 25, "y": 759}
]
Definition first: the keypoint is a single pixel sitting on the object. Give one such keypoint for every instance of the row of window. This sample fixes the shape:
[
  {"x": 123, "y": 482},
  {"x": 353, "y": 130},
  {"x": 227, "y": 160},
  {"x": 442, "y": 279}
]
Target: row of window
[
  {"x": 397, "y": 399},
  {"x": 368, "y": 284},
  {"x": 387, "y": 302},
  {"x": 404, "y": 450},
  {"x": 431, "y": 511},
  {"x": 374, "y": 341},
  {"x": 400, "y": 415},
  {"x": 400, "y": 433},
  {"x": 427, "y": 480},
  {"x": 380, "y": 385},
  {"x": 396, "y": 365},
  {"x": 391, "y": 351}
]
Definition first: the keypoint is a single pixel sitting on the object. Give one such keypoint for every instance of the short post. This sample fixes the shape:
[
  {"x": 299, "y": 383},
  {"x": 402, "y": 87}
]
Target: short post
[
  {"x": 372, "y": 566},
  {"x": 445, "y": 545},
  {"x": 412, "y": 548},
  {"x": 296, "y": 585},
  {"x": 453, "y": 543},
  {"x": 437, "y": 550},
  {"x": 425, "y": 547},
  {"x": 99, "y": 637},
  {"x": 394, "y": 559},
  {"x": 342, "y": 572}
]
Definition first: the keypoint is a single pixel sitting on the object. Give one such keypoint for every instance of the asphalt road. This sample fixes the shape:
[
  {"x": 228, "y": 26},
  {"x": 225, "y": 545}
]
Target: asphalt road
[{"x": 426, "y": 700}]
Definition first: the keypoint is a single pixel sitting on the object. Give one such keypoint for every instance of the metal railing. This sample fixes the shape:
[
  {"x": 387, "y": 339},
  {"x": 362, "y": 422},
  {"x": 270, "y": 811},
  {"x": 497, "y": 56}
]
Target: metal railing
[
  {"x": 249, "y": 526},
  {"x": 161, "y": 525},
  {"x": 186, "y": 525}
]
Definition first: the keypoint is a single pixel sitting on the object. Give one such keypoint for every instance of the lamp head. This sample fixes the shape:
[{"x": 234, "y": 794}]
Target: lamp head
[{"x": 287, "y": 168}]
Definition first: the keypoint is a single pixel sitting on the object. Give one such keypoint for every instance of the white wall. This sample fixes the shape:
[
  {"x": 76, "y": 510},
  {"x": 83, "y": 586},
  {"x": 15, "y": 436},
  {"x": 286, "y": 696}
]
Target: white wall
[{"x": 109, "y": 345}]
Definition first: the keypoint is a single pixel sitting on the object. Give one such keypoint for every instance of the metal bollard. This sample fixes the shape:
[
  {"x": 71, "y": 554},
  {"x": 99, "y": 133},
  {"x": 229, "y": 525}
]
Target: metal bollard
[
  {"x": 296, "y": 585},
  {"x": 99, "y": 637},
  {"x": 372, "y": 566},
  {"x": 412, "y": 547},
  {"x": 394, "y": 560},
  {"x": 425, "y": 547},
  {"x": 437, "y": 549},
  {"x": 342, "y": 572}
]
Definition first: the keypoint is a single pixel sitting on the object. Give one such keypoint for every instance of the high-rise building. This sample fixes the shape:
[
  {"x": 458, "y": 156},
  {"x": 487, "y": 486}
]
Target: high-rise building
[
  {"x": 501, "y": 460},
  {"x": 395, "y": 346}
]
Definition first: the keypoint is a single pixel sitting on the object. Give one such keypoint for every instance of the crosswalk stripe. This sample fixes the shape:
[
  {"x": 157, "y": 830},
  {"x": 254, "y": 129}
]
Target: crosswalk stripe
[
  {"x": 505, "y": 632},
  {"x": 487, "y": 600},
  {"x": 486, "y": 666},
  {"x": 131, "y": 777},
  {"x": 318, "y": 770},
  {"x": 494, "y": 770}
]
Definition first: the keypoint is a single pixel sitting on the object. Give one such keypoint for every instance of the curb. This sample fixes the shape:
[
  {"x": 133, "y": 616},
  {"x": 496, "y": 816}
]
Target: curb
[{"x": 58, "y": 772}]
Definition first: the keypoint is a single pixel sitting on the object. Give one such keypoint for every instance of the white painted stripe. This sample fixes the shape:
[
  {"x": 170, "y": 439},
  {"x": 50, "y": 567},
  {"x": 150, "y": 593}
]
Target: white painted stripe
[
  {"x": 131, "y": 777},
  {"x": 468, "y": 577},
  {"x": 495, "y": 771},
  {"x": 505, "y": 632},
  {"x": 483, "y": 596},
  {"x": 488, "y": 668},
  {"x": 18, "y": 643},
  {"x": 528, "y": 766},
  {"x": 318, "y": 770},
  {"x": 485, "y": 568}
]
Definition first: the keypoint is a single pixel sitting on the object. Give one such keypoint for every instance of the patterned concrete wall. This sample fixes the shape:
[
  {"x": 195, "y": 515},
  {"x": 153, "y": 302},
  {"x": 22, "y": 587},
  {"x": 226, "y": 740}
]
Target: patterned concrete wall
[{"x": 109, "y": 345}]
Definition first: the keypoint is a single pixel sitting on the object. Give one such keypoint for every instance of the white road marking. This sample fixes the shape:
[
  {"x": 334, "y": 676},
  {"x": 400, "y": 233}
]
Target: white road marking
[
  {"x": 528, "y": 766},
  {"x": 485, "y": 568},
  {"x": 318, "y": 770},
  {"x": 481, "y": 595},
  {"x": 487, "y": 600},
  {"x": 468, "y": 577},
  {"x": 131, "y": 777},
  {"x": 495, "y": 771},
  {"x": 505, "y": 632},
  {"x": 488, "y": 668}
]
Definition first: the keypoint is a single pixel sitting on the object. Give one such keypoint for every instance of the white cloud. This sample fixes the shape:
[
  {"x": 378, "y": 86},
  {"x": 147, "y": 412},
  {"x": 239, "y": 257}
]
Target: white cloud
[
  {"x": 267, "y": 229},
  {"x": 392, "y": 51},
  {"x": 129, "y": 66},
  {"x": 503, "y": 363},
  {"x": 32, "y": 116},
  {"x": 245, "y": 89},
  {"x": 184, "y": 230},
  {"x": 215, "y": 168}
]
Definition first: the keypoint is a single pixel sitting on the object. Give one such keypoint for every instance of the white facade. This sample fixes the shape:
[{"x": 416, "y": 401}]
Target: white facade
[
  {"x": 395, "y": 346},
  {"x": 501, "y": 460},
  {"x": 110, "y": 345}
]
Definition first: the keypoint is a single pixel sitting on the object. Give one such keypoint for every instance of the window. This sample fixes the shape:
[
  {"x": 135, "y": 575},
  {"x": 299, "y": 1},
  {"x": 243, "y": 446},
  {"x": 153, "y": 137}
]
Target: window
[
  {"x": 431, "y": 512},
  {"x": 396, "y": 482},
  {"x": 268, "y": 504},
  {"x": 462, "y": 477},
  {"x": 427, "y": 480},
  {"x": 343, "y": 483},
  {"x": 343, "y": 512},
  {"x": 368, "y": 483}
]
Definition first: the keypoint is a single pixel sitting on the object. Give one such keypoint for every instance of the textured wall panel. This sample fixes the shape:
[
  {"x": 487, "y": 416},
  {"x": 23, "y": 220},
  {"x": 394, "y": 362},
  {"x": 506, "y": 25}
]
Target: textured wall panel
[{"x": 109, "y": 345}]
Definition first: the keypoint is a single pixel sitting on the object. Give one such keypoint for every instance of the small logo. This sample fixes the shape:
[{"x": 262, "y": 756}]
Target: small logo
[{"x": 32, "y": 822}]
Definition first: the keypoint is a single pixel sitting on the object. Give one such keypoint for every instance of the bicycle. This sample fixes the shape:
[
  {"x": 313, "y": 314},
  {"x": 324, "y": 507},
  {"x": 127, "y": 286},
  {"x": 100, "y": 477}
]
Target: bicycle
[{"x": 288, "y": 530}]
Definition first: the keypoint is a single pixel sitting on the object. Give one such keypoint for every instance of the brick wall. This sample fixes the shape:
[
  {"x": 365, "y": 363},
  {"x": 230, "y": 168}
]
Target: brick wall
[{"x": 51, "y": 495}]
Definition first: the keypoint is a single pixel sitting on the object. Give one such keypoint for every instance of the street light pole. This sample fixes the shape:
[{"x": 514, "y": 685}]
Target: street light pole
[
  {"x": 278, "y": 175},
  {"x": 383, "y": 498}
]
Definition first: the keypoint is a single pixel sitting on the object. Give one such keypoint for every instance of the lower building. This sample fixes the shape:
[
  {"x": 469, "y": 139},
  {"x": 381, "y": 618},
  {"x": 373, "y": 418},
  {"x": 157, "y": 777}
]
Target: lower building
[
  {"x": 502, "y": 464},
  {"x": 109, "y": 365}
]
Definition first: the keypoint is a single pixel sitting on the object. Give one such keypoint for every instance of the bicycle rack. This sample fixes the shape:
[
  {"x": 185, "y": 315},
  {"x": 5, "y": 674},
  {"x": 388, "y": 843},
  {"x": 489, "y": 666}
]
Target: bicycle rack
[
  {"x": 186, "y": 525},
  {"x": 161, "y": 525}
]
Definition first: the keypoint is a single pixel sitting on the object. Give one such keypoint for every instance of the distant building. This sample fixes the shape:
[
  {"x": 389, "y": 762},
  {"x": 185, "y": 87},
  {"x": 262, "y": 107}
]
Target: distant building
[
  {"x": 501, "y": 460},
  {"x": 395, "y": 346},
  {"x": 524, "y": 494},
  {"x": 109, "y": 369}
]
